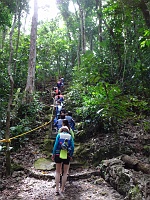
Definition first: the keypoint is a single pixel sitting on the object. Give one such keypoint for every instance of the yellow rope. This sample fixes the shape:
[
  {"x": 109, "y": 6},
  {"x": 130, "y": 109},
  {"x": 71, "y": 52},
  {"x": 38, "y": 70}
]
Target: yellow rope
[{"x": 9, "y": 140}]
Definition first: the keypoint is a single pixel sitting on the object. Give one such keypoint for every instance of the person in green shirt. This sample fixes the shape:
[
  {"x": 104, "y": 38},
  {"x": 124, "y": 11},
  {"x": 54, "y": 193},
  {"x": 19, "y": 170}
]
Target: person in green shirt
[{"x": 66, "y": 123}]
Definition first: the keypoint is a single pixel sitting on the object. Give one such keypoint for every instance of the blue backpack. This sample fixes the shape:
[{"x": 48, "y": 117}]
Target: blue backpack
[{"x": 65, "y": 141}]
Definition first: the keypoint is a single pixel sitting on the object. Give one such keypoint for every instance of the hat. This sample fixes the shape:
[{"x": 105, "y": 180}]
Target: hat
[{"x": 64, "y": 128}]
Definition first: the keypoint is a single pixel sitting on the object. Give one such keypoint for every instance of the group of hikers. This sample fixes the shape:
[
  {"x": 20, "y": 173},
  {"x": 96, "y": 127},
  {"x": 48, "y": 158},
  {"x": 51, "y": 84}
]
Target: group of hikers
[{"x": 64, "y": 143}]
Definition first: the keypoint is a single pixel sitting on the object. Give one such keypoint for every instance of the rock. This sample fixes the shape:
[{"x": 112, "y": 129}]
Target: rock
[
  {"x": 44, "y": 164},
  {"x": 99, "y": 181},
  {"x": 124, "y": 180},
  {"x": 2, "y": 186},
  {"x": 17, "y": 174}
]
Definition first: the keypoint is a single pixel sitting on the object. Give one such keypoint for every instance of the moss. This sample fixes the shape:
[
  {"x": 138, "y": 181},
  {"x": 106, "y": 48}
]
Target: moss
[
  {"x": 47, "y": 146},
  {"x": 147, "y": 126},
  {"x": 146, "y": 150},
  {"x": 44, "y": 164},
  {"x": 80, "y": 136},
  {"x": 16, "y": 167},
  {"x": 135, "y": 193}
]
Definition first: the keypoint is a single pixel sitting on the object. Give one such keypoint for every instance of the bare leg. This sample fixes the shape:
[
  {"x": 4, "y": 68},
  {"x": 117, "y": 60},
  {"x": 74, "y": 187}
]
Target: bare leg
[
  {"x": 68, "y": 169},
  {"x": 61, "y": 169},
  {"x": 57, "y": 176},
  {"x": 64, "y": 177}
]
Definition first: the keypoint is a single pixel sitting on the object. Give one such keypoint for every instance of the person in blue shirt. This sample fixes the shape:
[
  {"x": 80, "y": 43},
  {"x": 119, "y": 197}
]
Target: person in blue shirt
[
  {"x": 59, "y": 84},
  {"x": 59, "y": 121},
  {"x": 61, "y": 139},
  {"x": 70, "y": 120}
]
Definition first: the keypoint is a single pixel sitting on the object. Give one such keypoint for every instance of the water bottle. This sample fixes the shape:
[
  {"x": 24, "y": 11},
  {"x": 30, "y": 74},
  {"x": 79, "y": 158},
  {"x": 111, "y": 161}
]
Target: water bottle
[{"x": 64, "y": 146}]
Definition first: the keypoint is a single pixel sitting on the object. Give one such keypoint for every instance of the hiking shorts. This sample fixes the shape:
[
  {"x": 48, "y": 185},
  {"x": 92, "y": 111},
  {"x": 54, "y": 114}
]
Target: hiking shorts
[{"x": 60, "y": 160}]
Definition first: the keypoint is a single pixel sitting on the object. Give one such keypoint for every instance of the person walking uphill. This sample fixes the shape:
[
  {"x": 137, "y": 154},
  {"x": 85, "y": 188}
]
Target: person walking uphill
[{"x": 62, "y": 153}]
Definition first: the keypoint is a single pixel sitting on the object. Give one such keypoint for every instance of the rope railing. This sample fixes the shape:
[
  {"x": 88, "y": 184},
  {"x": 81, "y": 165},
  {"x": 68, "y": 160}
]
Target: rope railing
[{"x": 20, "y": 135}]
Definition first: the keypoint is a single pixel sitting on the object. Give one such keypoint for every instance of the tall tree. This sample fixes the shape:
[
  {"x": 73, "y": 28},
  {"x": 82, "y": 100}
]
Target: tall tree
[
  {"x": 82, "y": 26},
  {"x": 30, "y": 85},
  {"x": 99, "y": 13},
  {"x": 7, "y": 133}
]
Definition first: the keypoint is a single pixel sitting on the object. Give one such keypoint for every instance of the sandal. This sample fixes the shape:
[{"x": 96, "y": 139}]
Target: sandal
[
  {"x": 57, "y": 194},
  {"x": 63, "y": 191}
]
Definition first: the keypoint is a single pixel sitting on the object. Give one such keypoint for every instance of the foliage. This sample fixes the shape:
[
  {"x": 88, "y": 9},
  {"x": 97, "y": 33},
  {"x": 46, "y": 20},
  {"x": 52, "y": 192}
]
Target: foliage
[
  {"x": 23, "y": 116},
  {"x": 110, "y": 81},
  {"x": 146, "y": 150},
  {"x": 135, "y": 193},
  {"x": 5, "y": 16},
  {"x": 146, "y": 125},
  {"x": 97, "y": 100},
  {"x": 25, "y": 113},
  {"x": 53, "y": 51}
]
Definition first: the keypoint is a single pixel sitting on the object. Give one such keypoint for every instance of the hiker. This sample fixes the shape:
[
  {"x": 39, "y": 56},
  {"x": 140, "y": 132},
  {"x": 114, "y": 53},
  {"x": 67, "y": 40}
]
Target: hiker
[
  {"x": 59, "y": 121},
  {"x": 70, "y": 120},
  {"x": 59, "y": 97},
  {"x": 59, "y": 84},
  {"x": 66, "y": 123},
  {"x": 62, "y": 153},
  {"x": 56, "y": 90},
  {"x": 62, "y": 82},
  {"x": 63, "y": 111},
  {"x": 58, "y": 108}
]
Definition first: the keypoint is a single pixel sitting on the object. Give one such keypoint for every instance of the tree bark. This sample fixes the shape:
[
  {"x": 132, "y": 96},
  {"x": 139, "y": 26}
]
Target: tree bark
[
  {"x": 17, "y": 40},
  {"x": 99, "y": 13},
  {"x": 135, "y": 164},
  {"x": 30, "y": 85},
  {"x": 82, "y": 27},
  {"x": 146, "y": 13},
  {"x": 7, "y": 133}
]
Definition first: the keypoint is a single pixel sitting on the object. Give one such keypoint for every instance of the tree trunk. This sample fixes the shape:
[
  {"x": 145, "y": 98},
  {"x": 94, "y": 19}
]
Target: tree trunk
[
  {"x": 2, "y": 39},
  {"x": 99, "y": 7},
  {"x": 117, "y": 50},
  {"x": 7, "y": 133},
  {"x": 135, "y": 164},
  {"x": 17, "y": 40},
  {"x": 30, "y": 85},
  {"x": 146, "y": 12},
  {"x": 82, "y": 27}
]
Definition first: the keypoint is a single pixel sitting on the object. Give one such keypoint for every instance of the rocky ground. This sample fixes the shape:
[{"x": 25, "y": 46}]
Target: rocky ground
[
  {"x": 25, "y": 188},
  {"x": 29, "y": 183}
]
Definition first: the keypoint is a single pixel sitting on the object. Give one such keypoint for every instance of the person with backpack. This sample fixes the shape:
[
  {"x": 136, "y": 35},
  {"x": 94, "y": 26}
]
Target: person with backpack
[
  {"x": 62, "y": 82},
  {"x": 59, "y": 121},
  {"x": 66, "y": 123},
  {"x": 70, "y": 120},
  {"x": 62, "y": 153},
  {"x": 63, "y": 111},
  {"x": 59, "y": 84},
  {"x": 59, "y": 97},
  {"x": 58, "y": 108},
  {"x": 55, "y": 91}
]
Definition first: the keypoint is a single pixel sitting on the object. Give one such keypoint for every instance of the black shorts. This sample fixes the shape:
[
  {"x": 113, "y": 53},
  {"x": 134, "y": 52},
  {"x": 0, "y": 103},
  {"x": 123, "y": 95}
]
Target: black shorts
[{"x": 60, "y": 160}]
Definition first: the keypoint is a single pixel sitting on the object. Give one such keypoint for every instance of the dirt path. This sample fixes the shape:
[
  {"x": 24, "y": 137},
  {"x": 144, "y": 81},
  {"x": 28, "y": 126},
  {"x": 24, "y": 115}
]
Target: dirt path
[
  {"x": 22, "y": 185},
  {"x": 28, "y": 188}
]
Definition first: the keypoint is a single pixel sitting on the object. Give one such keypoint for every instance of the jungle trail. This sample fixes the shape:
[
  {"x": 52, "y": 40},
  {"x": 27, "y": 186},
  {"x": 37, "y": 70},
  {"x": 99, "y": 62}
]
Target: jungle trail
[
  {"x": 77, "y": 173},
  {"x": 58, "y": 114}
]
